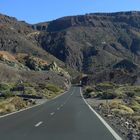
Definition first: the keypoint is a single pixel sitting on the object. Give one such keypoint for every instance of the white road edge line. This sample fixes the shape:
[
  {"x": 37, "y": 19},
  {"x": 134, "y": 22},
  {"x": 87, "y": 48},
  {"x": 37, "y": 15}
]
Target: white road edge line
[
  {"x": 3, "y": 116},
  {"x": 38, "y": 124},
  {"x": 116, "y": 136},
  {"x": 20, "y": 110}
]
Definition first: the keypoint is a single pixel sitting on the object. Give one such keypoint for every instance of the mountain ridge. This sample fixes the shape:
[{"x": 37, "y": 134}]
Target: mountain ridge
[
  {"x": 89, "y": 16},
  {"x": 91, "y": 43}
]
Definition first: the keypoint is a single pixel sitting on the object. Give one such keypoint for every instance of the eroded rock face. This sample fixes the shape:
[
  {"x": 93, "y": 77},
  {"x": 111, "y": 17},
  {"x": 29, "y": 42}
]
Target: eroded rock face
[
  {"x": 19, "y": 37},
  {"x": 120, "y": 19},
  {"x": 91, "y": 43}
]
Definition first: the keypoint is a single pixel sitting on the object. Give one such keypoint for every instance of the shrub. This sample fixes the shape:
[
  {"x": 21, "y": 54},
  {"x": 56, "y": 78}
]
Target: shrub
[
  {"x": 137, "y": 98},
  {"x": 27, "y": 84},
  {"x": 107, "y": 95},
  {"x": 89, "y": 90},
  {"x": 8, "y": 94},
  {"x": 122, "y": 112},
  {"x": 7, "y": 108},
  {"x": 130, "y": 94},
  {"x": 114, "y": 104},
  {"x": 30, "y": 91},
  {"x": 18, "y": 103},
  {"x": 87, "y": 95},
  {"x": 105, "y": 86},
  {"x": 4, "y": 86},
  {"x": 136, "y": 118},
  {"x": 42, "y": 85},
  {"x": 30, "y": 63},
  {"x": 53, "y": 88},
  {"x": 124, "y": 107},
  {"x": 137, "y": 90},
  {"x": 136, "y": 108},
  {"x": 134, "y": 105}
]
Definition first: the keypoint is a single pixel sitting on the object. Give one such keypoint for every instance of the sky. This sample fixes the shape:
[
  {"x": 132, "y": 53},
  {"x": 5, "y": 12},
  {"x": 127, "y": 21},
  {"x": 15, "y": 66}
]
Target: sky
[{"x": 34, "y": 11}]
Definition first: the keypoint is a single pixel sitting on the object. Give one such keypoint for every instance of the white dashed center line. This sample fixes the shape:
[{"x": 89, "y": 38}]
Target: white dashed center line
[{"x": 38, "y": 124}]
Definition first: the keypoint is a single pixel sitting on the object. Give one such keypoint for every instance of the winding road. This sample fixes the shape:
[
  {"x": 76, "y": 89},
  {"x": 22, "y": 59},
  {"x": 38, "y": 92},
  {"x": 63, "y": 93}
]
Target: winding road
[{"x": 67, "y": 117}]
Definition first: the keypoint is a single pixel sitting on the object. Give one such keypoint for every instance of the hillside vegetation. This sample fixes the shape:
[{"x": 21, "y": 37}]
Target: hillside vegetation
[
  {"x": 119, "y": 104},
  {"x": 24, "y": 78}
]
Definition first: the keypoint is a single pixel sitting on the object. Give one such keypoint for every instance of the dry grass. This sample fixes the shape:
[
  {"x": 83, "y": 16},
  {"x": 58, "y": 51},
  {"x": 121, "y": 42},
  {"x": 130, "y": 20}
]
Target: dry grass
[
  {"x": 118, "y": 97},
  {"x": 4, "y": 55},
  {"x": 11, "y": 105}
]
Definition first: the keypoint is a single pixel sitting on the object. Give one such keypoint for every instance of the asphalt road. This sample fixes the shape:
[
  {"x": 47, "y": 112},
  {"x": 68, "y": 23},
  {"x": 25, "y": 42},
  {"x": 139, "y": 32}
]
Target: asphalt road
[{"x": 64, "y": 118}]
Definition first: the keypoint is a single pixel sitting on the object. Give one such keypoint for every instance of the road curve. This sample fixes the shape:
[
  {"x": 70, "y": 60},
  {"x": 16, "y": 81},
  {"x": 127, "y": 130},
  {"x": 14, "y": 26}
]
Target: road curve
[{"x": 64, "y": 118}]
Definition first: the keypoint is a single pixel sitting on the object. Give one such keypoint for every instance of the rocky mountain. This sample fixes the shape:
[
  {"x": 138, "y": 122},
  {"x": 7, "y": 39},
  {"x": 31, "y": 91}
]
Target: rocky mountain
[
  {"x": 92, "y": 41},
  {"x": 30, "y": 69},
  {"x": 16, "y": 37},
  {"x": 21, "y": 58},
  {"x": 94, "y": 44}
]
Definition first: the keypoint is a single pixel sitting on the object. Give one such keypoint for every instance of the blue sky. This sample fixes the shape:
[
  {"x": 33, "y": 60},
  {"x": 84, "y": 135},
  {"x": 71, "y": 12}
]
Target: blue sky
[{"x": 34, "y": 11}]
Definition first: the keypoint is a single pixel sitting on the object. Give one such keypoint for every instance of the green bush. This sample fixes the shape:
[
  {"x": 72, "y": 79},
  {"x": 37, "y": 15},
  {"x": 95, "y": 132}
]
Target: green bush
[
  {"x": 122, "y": 111},
  {"x": 130, "y": 94},
  {"x": 87, "y": 95},
  {"x": 27, "y": 84},
  {"x": 136, "y": 118},
  {"x": 136, "y": 108},
  {"x": 32, "y": 64},
  {"x": 8, "y": 94},
  {"x": 107, "y": 95},
  {"x": 53, "y": 88},
  {"x": 89, "y": 90},
  {"x": 137, "y": 90},
  {"x": 30, "y": 91},
  {"x": 4, "y": 86},
  {"x": 105, "y": 86},
  {"x": 42, "y": 85},
  {"x": 137, "y": 98}
]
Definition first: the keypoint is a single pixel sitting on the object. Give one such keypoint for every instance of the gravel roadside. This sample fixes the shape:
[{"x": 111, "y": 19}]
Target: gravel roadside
[{"x": 123, "y": 125}]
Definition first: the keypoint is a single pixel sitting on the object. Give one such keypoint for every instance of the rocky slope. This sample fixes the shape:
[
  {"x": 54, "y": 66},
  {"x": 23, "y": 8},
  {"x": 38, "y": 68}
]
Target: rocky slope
[
  {"x": 16, "y": 37},
  {"x": 97, "y": 39},
  {"x": 23, "y": 67},
  {"x": 21, "y": 57},
  {"x": 95, "y": 44}
]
